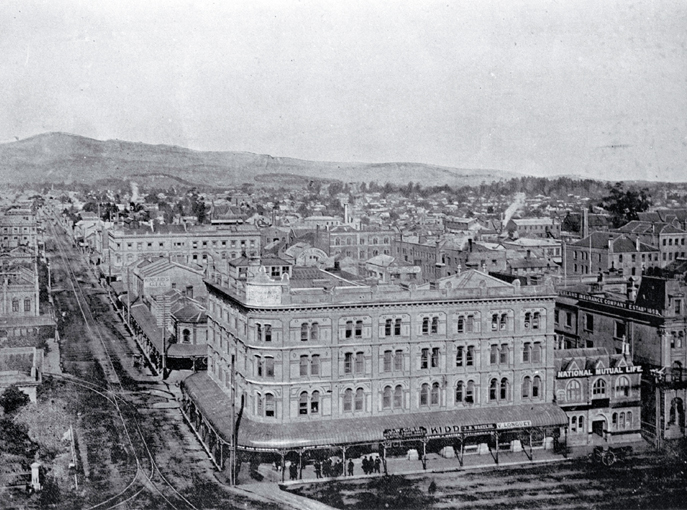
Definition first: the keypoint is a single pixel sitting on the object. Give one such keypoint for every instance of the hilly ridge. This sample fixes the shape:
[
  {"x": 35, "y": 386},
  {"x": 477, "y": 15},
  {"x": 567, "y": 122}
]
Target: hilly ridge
[{"x": 63, "y": 157}]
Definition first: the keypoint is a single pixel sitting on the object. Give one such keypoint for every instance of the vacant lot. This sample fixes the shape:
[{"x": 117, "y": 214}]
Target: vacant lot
[{"x": 650, "y": 480}]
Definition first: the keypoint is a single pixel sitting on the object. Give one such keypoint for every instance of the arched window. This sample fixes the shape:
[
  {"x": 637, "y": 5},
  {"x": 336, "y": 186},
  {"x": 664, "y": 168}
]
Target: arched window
[
  {"x": 622, "y": 387},
  {"x": 495, "y": 322},
  {"x": 526, "y": 352},
  {"x": 348, "y": 400},
  {"x": 359, "y": 400},
  {"x": 304, "y": 366},
  {"x": 599, "y": 388},
  {"x": 470, "y": 392},
  {"x": 536, "y": 387},
  {"x": 398, "y": 397},
  {"x": 621, "y": 420},
  {"x": 505, "y": 387},
  {"x": 258, "y": 399},
  {"x": 535, "y": 320},
  {"x": 435, "y": 394},
  {"x": 628, "y": 420},
  {"x": 303, "y": 403},
  {"x": 459, "y": 356},
  {"x": 503, "y": 354},
  {"x": 461, "y": 325},
  {"x": 304, "y": 332},
  {"x": 676, "y": 371},
  {"x": 386, "y": 398},
  {"x": 492, "y": 389},
  {"x": 314, "y": 331},
  {"x": 425, "y": 326},
  {"x": 186, "y": 336},
  {"x": 536, "y": 352},
  {"x": 573, "y": 391},
  {"x": 15, "y": 305},
  {"x": 573, "y": 424},
  {"x": 581, "y": 423},
  {"x": 526, "y": 387},
  {"x": 315, "y": 364},
  {"x": 269, "y": 405},
  {"x": 315, "y": 402},
  {"x": 528, "y": 319},
  {"x": 424, "y": 395},
  {"x": 459, "y": 392},
  {"x": 337, "y": 242},
  {"x": 504, "y": 322}
]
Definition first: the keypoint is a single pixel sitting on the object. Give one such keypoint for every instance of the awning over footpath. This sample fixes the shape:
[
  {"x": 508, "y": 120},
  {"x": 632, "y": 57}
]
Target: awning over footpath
[
  {"x": 187, "y": 350},
  {"x": 147, "y": 322},
  {"x": 215, "y": 406}
]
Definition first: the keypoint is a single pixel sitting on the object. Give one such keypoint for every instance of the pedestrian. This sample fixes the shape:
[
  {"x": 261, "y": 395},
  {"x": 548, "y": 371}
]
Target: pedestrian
[
  {"x": 365, "y": 465},
  {"x": 378, "y": 465},
  {"x": 293, "y": 471},
  {"x": 350, "y": 467},
  {"x": 326, "y": 467},
  {"x": 318, "y": 469}
]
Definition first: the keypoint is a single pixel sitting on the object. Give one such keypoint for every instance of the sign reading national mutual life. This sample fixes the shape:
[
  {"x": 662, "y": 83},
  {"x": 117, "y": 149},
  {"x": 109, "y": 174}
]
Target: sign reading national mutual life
[{"x": 567, "y": 374}]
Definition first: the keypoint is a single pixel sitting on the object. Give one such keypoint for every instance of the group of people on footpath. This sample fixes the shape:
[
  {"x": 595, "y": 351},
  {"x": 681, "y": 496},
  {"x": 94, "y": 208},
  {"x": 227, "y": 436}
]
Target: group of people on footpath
[
  {"x": 327, "y": 468},
  {"x": 371, "y": 465}
]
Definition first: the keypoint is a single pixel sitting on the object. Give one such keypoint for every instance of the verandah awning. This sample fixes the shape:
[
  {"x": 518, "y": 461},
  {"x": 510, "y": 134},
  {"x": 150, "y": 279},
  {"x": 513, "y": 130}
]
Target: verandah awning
[{"x": 215, "y": 405}]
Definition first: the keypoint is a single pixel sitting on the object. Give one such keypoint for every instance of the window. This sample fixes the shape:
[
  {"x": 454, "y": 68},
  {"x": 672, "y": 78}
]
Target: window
[
  {"x": 348, "y": 363},
  {"x": 424, "y": 358},
  {"x": 619, "y": 329},
  {"x": 528, "y": 320},
  {"x": 269, "y": 405},
  {"x": 304, "y": 332},
  {"x": 397, "y": 327},
  {"x": 315, "y": 402},
  {"x": 398, "y": 397},
  {"x": 434, "y": 396},
  {"x": 536, "y": 387},
  {"x": 495, "y": 322},
  {"x": 505, "y": 389},
  {"x": 503, "y": 354},
  {"x": 589, "y": 323},
  {"x": 535, "y": 320},
  {"x": 435, "y": 357},
  {"x": 258, "y": 366},
  {"x": 459, "y": 392},
  {"x": 424, "y": 395},
  {"x": 622, "y": 387},
  {"x": 387, "y": 327},
  {"x": 526, "y": 352},
  {"x": 398, "y": 360},
  {"x": 386, "y": 398},
  {"x": 470, "y": 392},
  {"x": 470, "y": 357},
  {"x": 315, "y": 365},
  {"x": 27, "y": 305},
  {"x": 359, "y": 362},
  {"x": 348, "y": 400},
  {"x": 358, "y": 329},
  {"x": 678, "y": 306},
  {"x": 536, "y": 352},
  {"x": 349, "y": 329},
  {"x": 568, "y": 319},
  {"x": 425, "y": 326},
  {"x": 526, "y": 387},
  {"x": 599, "y": 388},
  {"x": 15, "y": 305},
  {"x": 676, "y": 371},
  {"x": 269, "y": 367},
  {"x": 435, "y": 325},
  {"x": 493, "y": 389},
  {"x": 304, "y": 366},
  {"x": 303, "y": 403},
  {"x": 314, "y": 331},
  {"x": 573, "y": 391},
  {"x": 387, "y": 361},
  {"x": 580, "y": 422},
  {"x": 573, "y": 424},
  {"x": 470, "y": 323},
  {"x": 459, "y": 356},
  {"x": 461, "y": 325},
  {"x": 493, "y": 354},
  {"x": 359, "y": 399},
  {"x": 268, "y": 333},
  {"x": 503, "y": 325}
]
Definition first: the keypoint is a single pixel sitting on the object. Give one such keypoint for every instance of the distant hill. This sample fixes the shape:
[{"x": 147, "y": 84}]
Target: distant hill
[{"x": 62, "y": 157}]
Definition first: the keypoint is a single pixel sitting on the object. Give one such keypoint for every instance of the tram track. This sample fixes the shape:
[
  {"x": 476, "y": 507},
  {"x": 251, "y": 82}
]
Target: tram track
[{"x": 112, "y": 392}]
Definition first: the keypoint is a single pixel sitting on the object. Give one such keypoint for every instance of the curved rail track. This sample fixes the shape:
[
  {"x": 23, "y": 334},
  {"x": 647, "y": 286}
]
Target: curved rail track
[{"x": 144, "y": 479}]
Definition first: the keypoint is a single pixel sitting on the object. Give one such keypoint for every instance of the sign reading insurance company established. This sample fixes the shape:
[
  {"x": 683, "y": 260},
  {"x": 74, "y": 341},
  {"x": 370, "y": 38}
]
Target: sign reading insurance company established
[
  {"x": 567, "y": 374},
  {"x": 446, "y": 430}
]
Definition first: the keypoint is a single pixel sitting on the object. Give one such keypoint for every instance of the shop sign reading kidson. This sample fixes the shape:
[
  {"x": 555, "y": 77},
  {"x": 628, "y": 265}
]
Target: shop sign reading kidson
[
  {"x": 449, "y": 430},
  {"x": 567, "y": 374}
]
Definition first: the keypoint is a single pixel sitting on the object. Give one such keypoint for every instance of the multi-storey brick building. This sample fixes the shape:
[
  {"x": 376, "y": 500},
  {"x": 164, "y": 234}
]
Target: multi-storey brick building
[
  {"x": 180, "y": 243},
  {"x": 311, "y": 360},
  {"x": 362, "y": 244},
  {"x": 18, "y": 226},
  {"x": 669, "y": 239}
]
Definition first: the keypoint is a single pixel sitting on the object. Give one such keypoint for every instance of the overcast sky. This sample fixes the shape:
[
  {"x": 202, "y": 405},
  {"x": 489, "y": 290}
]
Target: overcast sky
[{"x": 585, "y": 87}]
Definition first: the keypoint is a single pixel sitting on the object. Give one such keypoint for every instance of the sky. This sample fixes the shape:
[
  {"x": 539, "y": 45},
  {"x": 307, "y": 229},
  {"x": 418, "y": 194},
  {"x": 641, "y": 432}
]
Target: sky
[{"x": 575, "y": 87}]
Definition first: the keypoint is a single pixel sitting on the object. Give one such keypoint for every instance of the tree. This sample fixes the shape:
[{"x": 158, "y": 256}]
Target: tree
[
  {"x": 624, "y": 205},
  {"x": 12, "y": 399}
]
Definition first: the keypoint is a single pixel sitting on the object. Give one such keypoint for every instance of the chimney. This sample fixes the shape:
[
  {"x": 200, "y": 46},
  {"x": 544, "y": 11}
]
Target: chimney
[
  {"x": 585, "y": 223},
  {"x": 346, "y": 220},
  {"x": 637, "y": 243},
  {"x": 470, "y": 244}
]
